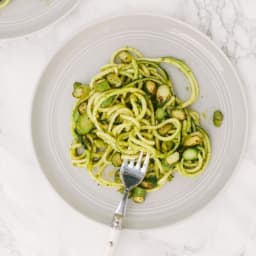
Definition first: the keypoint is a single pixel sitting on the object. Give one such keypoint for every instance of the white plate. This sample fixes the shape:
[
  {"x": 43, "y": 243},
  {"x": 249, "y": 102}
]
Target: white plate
[
  {"x": 21, "y": 17},
  {"x": 220, "y": 88}
]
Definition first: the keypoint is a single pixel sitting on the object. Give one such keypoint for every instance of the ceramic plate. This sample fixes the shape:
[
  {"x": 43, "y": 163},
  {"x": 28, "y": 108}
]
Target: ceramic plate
[
  {"x": 81, "y": 58},
  {"x": 21, "y": 17}
]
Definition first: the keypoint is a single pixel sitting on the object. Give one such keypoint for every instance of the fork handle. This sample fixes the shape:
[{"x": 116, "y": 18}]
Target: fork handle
[
  {"x": 114, "y": 235},
  {"x": 117, "y": 225},
  {"x": 121, "y": 208}
]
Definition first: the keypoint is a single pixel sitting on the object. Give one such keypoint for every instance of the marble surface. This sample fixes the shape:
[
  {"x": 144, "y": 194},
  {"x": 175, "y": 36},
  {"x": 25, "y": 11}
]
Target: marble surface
[{"x": 34, "y": 220}]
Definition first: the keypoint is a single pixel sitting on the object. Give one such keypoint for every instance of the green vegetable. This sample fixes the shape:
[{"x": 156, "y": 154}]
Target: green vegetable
[
  {"x": 160, "y": 114},
  {"x": 166, "y": 146},
  {"x": 84, "y": 125},
  {"x": 173, "y": 158},
  {"x": 116, "y": 159},
  {"x": 217, "y": 118},
  {"x": 113, "y": 79},
  {"x": 149, "y": 182},
  {"x": 80, "y": 90},
  {"x": 76, "y": 115},
  {"x": 165, "y": 129},
  {"x": 107, "y": 102},
  {"x": 163, "y": 93},
  {"x": 82, "y": 108},
  {"x": 151, "y": 87},
  {"x": 138, "y": 195},
  {"x": 102, "y": 86},
  {"x": 166, "y": 167},
  {"x": 117, "y": 179},
  {"x": 178, "y": 114},
  {"x": 170, "y": 177},
  {"x": 190, "y": 154},
  {"x": 193, "y": 140},
  {"x": 125, "y": 57}
]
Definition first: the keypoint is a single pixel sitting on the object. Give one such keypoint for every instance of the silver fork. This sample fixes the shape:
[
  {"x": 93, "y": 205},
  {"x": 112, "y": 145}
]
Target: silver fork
[{"x": 131, "y": 176}]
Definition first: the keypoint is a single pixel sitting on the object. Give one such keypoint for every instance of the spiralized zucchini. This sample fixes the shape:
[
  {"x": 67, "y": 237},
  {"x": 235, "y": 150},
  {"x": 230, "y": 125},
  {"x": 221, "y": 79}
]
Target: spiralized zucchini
[{"x": 130, "y": 106}]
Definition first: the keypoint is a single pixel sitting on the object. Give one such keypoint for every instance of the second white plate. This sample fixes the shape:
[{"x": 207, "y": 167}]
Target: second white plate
[
  {"x": 81, "y": 58},
  {"x": 21, "y": 17}
]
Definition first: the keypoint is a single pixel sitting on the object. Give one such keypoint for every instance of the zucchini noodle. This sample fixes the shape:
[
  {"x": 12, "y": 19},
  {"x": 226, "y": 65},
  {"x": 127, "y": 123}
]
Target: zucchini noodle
[{"x": 131, "y": 106}]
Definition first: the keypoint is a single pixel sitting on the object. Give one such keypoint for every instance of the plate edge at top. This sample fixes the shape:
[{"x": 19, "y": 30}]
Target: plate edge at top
[{"x": 28, "y": 32}]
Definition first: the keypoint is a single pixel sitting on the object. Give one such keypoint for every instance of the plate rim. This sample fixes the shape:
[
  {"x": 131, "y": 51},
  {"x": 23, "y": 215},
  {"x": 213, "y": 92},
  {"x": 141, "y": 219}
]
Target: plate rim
[
  {"x": 242, "y": 85},
  {"x": 30, "y": 31}
]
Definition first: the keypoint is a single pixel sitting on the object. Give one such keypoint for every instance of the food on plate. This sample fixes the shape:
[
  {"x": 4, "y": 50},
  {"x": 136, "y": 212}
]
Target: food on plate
[
  {"x": 3, "y": 3},
  {"x": 131, "y": 106},
  {"x": 217, "y": 118}
]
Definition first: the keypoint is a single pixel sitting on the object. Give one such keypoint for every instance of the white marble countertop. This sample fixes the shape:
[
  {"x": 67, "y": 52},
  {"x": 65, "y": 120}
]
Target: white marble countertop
[{"x": 35, "y": 221}]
